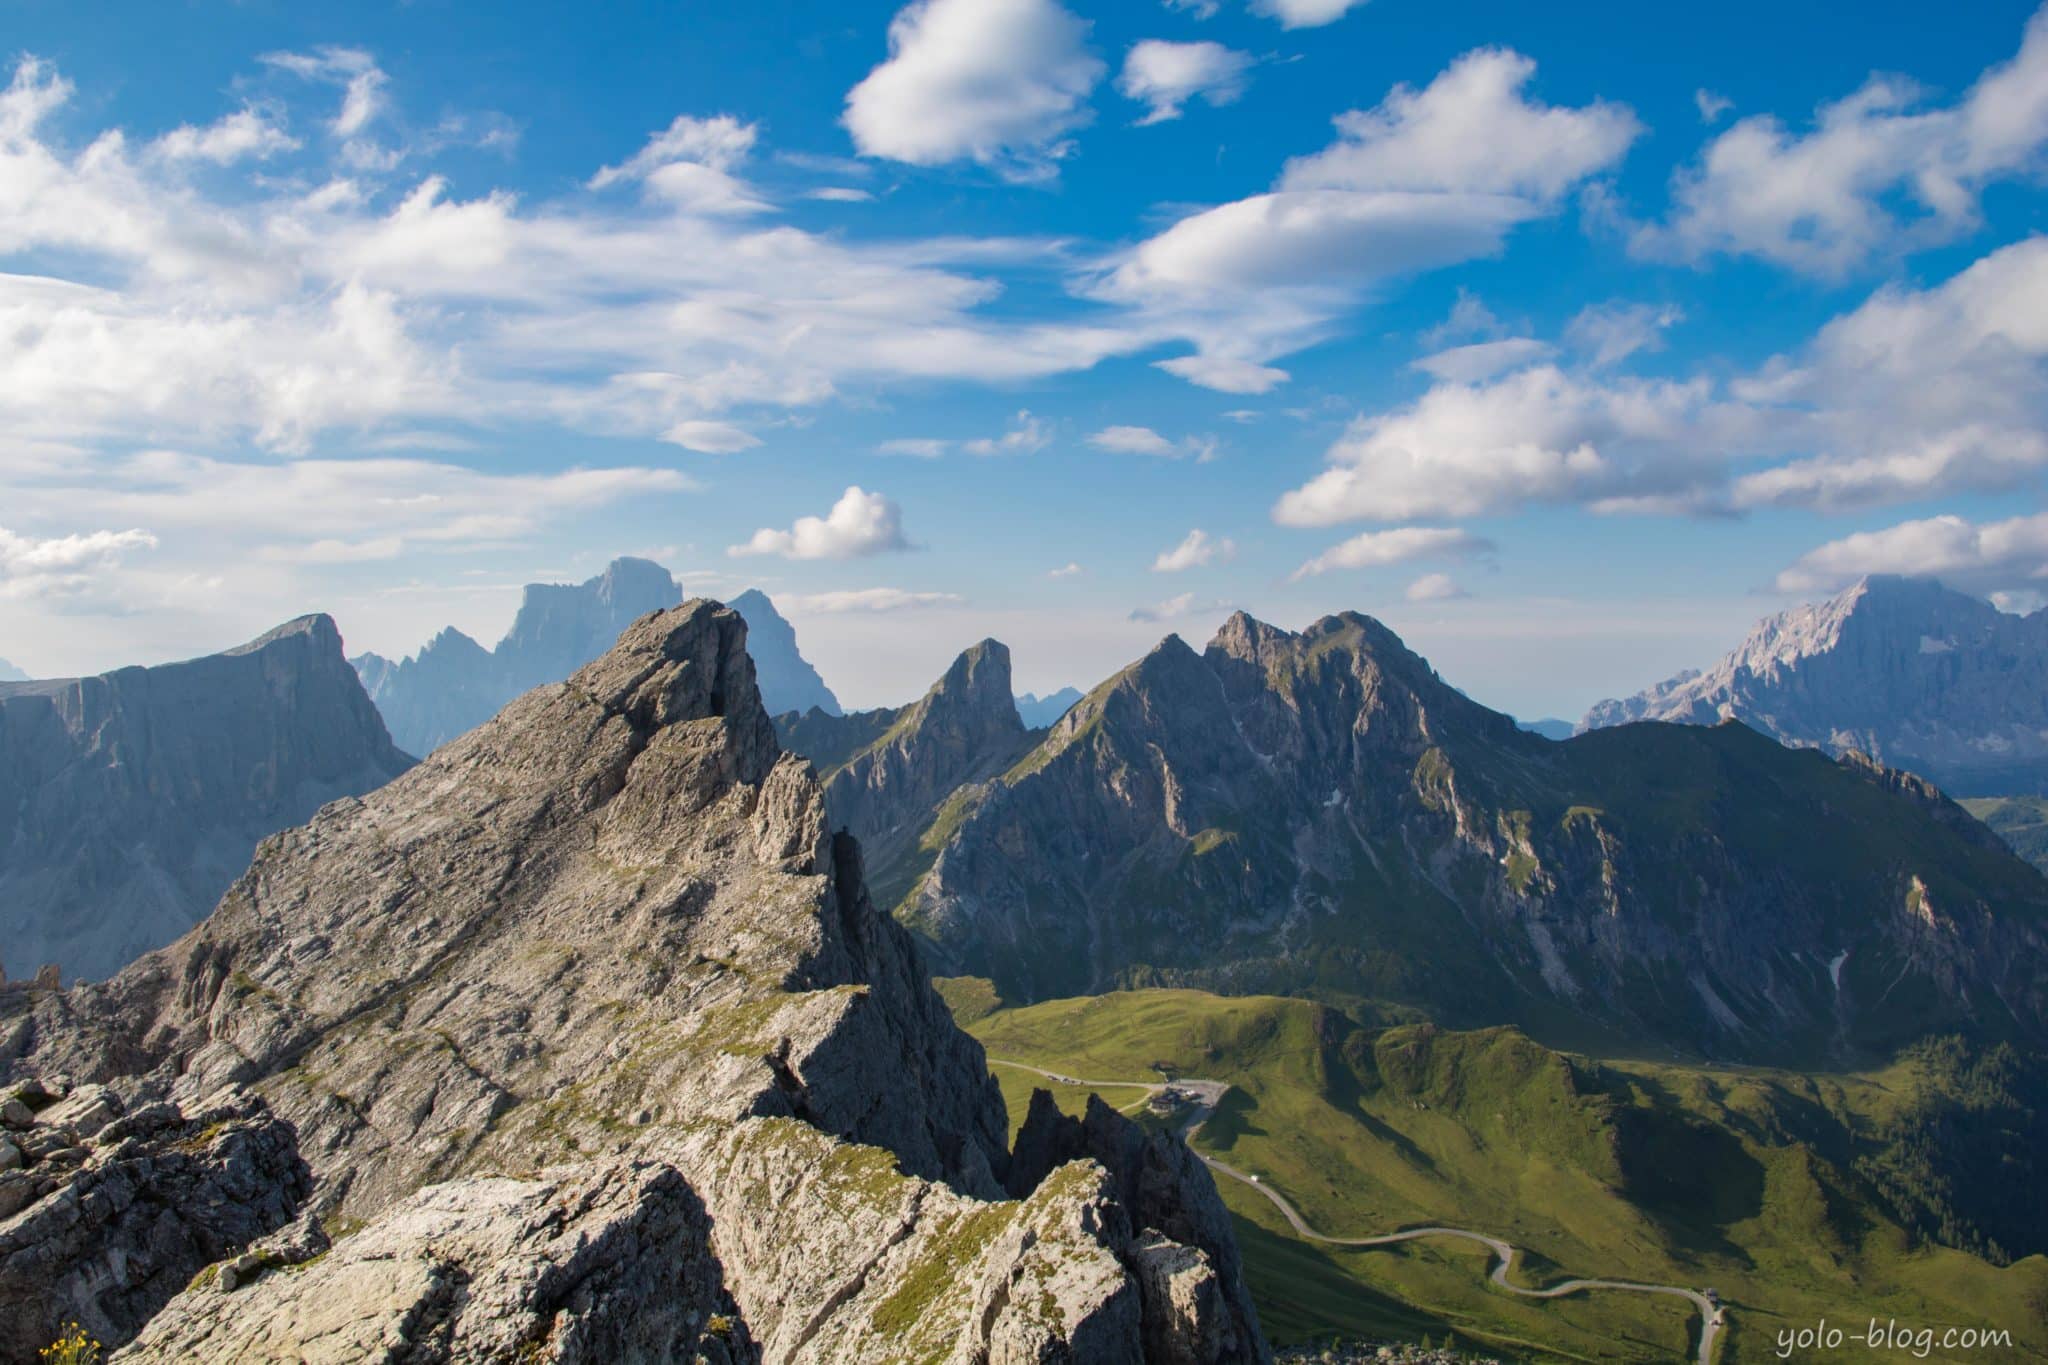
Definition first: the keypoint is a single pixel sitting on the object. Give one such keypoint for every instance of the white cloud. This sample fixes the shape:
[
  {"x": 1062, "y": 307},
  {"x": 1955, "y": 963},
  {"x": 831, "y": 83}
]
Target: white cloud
[
  {"x": 272, "y": 312},
  {"x": 1711, "y": 105},
  {"x": 362, "y": 81},
  {"x": 1196, "y": 550},
  {"x": 1879, "y": 172},
  {"x": 1200, "y": 9},
  {"x": 1305, "y": 13},
  {"x": 719, "y": 143},
  {"x": 1132, "y": 441},
  {"x": 918, "y": 447},
  {"x": 1471, "y": 130},
  {"x": 712, "y": 438},
  {"x": 1609, "y": 333},
  {"x": 1179, "y": 605},
  {"x": 1537, "y": 434},
  {"x": 1426, "y": 179},
  {"x": 839, "y": 194},
  {"x": 1434, "y": 587},
  {"x": 1376, "y": 549},
  {"x": 998, "y": 82},
  {"x": 1027, "y": 435},
  {"x": 1482, "y": 359},
  {"x": 248, "y": 132},
  {"x": 2004, "y": 555},
  {"x": 1164, "y": 76},
  {"x": 1913, "y": 394},
  {"x": 66, "y": 568},
  {"x": 865, "y": 600},
  {"x": 859, "y": 524},
  {"x": 1070, "y": 569},
  {"x": 1917, "y": 392}
]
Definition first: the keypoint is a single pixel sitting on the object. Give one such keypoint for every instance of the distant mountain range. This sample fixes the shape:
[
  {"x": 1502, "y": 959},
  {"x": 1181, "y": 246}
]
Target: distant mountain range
[
  {"x": 454, "y": 684},
  {"x": 1905, "y": 670},
  {"x": 133, "y": 799},
  {"x": 1040, "y": 712},
  {"x": 1319, "y": 813}
]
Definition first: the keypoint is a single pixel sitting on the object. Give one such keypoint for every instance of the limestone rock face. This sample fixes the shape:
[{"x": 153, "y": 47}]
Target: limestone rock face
[
  {"x": 103, "y": 1227},
  {"x": 131, "y": 800},
  {"x": 1319, "y": 812},
  {"x": 454, "y": 684},
  {"x": 607, "y": 948},
  {"x": 1905, "y": 670},
  {"x": 584, "y": 1265}
]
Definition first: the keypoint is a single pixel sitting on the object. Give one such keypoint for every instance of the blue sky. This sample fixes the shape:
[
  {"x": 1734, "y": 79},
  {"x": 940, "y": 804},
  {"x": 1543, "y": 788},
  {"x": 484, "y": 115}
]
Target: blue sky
[{"x": 1568, "y": 340}]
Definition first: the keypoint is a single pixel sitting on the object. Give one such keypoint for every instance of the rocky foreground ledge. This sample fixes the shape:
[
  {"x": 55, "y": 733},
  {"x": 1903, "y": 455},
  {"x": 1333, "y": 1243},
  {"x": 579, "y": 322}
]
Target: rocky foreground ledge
[{"x": 583, "y": 1042}]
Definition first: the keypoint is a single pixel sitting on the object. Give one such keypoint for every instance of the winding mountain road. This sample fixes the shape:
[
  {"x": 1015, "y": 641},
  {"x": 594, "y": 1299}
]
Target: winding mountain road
[{"x": 1208, "y": 1094}]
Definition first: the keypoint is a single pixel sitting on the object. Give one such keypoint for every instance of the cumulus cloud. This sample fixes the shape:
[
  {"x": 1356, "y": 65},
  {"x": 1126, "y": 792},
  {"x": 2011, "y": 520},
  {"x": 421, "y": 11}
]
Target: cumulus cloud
[
  {"x": 248, "y": 132},
  {"x": 1305, "y": 13},
  {"x": 1880, "y": 171},
  {"x": 860, "y": 524},
  {"x": 1196, "y": 550},
  {"x": 1434, "y": 587},
  {"x": 1164, "y": 76},
  {"x": 1376, "y": 549},
  {"x": 865, "y": 600},
  {"x": 1425, "y": 179},
  {"x": 1968, "y": 555},
  {"x": 1917, "y": 392},
  {"x": 998, "y": 82},
  {"x": 1538, "y": 434},
  {"x": 1912, "y": 394},
  {"x": 721, "y": 143},
  {"x": 1471, "y": 130}
]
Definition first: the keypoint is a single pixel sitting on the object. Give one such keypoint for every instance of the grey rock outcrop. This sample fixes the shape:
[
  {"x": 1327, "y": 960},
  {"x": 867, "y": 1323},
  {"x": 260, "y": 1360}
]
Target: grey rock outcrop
[
  {"x": 607, "y": 949},
  {"x": 455, "y": 684},
  {"x": 130, "y": 801},
  {"x": 1905, "y": 670},
  {"x": 590, "y": 1264},
  {"x": 109, "y": 1220},
  {"x": 1319, "y": 813}
]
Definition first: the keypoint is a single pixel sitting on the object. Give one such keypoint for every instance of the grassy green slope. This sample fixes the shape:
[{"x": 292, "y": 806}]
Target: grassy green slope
[{"x": 1739, "y": 1179}]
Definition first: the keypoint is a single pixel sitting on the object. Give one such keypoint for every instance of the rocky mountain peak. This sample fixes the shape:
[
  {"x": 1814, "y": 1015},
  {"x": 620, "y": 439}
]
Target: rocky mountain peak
[
  {"x": 190, "y": 764},
  {"x": 591, "y": 1014},
  {"x": 1905, "y": 669},
  {"x": 979, "y": 682}
]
